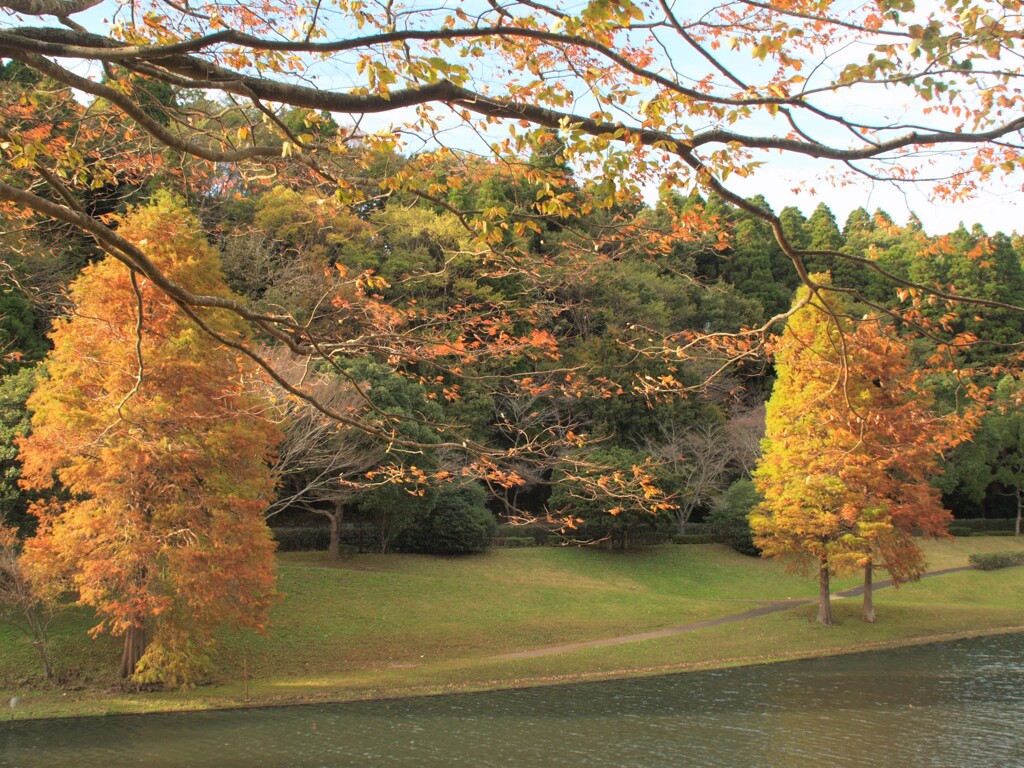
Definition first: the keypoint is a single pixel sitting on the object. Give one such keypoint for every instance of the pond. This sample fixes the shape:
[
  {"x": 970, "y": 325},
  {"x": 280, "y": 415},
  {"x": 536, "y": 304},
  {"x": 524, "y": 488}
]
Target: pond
[{"x": 958, "y": 704}]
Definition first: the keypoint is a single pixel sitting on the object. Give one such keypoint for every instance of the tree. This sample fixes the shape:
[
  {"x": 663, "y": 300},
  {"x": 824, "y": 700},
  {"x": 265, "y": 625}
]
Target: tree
[
  {"x": 694, "y": 466},
  {"x": 457, "y": 523},
  {"x": 321, "y": 465},
  {"x": 993, "y": 462},
  {"x": 680, "y": 97},
  {"x": 31, "y": 608},
  {"x": 849, "y": 448},
  {"x": 730, "y": 515},
  {"x": 144, "y": 422},
  {"x": 15, "y": 422},
  {"x": 612, "y": 492}
]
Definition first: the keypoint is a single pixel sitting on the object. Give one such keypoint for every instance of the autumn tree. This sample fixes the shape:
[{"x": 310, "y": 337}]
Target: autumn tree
[
  {"x": 848, "y": 452},
  {"x": 144, "y": 425}
]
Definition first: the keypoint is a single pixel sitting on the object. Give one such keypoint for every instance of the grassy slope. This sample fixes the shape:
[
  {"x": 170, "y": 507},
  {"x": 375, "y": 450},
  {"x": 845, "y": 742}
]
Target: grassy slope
[{"x": 399, "y": 625}]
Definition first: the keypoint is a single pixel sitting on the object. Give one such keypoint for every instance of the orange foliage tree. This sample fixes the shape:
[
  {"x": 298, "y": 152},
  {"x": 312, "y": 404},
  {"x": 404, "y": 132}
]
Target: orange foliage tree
[
  {"x": 146, "y": 427},
  {"x": 850, "y": 444}
]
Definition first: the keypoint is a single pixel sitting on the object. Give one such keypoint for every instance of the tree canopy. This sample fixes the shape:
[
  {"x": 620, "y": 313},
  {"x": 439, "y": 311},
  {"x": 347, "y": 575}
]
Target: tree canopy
[{"x": 638, "y": 95}]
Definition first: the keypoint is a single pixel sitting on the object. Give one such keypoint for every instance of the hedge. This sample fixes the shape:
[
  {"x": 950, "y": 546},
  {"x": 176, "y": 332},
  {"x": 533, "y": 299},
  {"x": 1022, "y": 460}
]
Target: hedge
[
  {"x": 538, "y": 533},
  {"x": 985, "y": 525},
  {"x": 513, "y": 542},
  {"x": 302, "y": 539},
  {"x": 994, "y": 560},
  {"x": 699, "y": 538}
]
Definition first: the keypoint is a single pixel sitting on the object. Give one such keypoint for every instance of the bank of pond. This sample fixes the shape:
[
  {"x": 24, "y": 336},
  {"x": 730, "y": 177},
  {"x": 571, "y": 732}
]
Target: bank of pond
[
  {"x": 378, "y": 626},
  {"x": 945, "y": 704}
]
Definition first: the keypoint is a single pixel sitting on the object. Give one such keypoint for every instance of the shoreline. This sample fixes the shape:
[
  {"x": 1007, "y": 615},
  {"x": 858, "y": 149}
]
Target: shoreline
[{"x": 260, "y": 702}]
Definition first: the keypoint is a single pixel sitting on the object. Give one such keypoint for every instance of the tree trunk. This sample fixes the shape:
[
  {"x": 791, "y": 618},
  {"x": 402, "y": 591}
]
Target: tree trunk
[
  {"x": 824, "y": 595},
  {"x": 334, "y": 547},
  {"x": 134, "y": 647},
  {"x": 40, "y": 642},
  {"x": 869, "y": 605},
  {"x": 683, "y": 517}
]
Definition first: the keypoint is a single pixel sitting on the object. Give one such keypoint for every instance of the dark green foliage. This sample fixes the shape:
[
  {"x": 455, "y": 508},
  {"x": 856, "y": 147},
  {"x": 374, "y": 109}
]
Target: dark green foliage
[
  {"x": 20, "y": 339},
  {"x": 538, "y": 534},
  {"x": 990, "y": 561},
  {"x": 630, "y": 523},
  {"x": 992, "y": 464},
  {"x": 695, "y": 538},
  {"x": 392, "y": 509},
  {"x": 458, "y": 523},
  {"x": 987, "y": 526},
  {"x": 14, "y": 423},
  {"x": 302, "y": 539},
  {"x": 728, "y": 517},
  {"x": 959, "y": 530},
  {"x": 515, "y": 542}
]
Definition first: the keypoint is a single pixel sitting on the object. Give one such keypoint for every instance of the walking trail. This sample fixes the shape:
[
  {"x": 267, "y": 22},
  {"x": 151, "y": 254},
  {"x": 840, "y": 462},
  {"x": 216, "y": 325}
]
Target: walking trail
[{"x": 764, "y": 610}]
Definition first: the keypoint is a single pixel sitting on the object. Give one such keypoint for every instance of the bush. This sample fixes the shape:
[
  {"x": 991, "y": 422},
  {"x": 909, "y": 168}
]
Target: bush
[
  {"x": 959, "y": 530},
  {"x": 697, "y": 538},
  {"x": 457, "y": 523},
  {"x": 728, "y": 518},
  {"x": 994, "y": 560},
  {"x": 986, "y": 525},
  {"x": 514, "y": 542},
  {"x": 304, "y": 539},
  {"x": 539, "y": 534}
]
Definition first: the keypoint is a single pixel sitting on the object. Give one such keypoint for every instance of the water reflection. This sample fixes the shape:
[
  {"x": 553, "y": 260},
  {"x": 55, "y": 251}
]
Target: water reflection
[{"x": 949, "y": 705}]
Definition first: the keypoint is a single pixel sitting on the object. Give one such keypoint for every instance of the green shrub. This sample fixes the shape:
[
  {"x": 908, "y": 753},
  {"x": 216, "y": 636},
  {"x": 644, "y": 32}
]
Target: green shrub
[
  {"x": 959, "y": 530},
  {"x": 698, "y": 528},
  {"x": 514, "y": 542},
  {"x": 696, "y": 538},
  {"x": 457, "y": 523},
  {"x": 728, "y": 517},
  {"x": 618, "y": 522},
  {"x": 993, "y": 560},
  {"x": 539, "y": 534},
  {"x": 302, "y": 539},
  {"x": 986, "y": 525}
]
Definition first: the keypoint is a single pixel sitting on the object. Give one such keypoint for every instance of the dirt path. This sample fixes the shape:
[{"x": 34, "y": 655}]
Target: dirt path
[{"x": 764, "y": 610}]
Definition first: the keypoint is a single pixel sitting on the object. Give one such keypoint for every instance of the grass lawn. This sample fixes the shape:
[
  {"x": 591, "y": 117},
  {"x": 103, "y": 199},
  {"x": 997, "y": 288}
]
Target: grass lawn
[{"x": 406, "y": 625}]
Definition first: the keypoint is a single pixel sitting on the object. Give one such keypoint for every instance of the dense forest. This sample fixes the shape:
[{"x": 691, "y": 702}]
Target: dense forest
[{"x": 537, "y": 349}]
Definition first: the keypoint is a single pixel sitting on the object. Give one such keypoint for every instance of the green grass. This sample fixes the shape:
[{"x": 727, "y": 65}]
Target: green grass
[{"x": 408, "y": 625}]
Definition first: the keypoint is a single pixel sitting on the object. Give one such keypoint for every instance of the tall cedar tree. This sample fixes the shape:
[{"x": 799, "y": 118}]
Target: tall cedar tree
[
  {"x": 145, "y": 424},
  {"x": 849, "y": 447}
]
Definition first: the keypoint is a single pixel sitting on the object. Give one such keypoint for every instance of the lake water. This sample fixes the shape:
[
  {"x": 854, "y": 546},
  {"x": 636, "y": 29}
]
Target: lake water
[{"x": 952, "y": 705}]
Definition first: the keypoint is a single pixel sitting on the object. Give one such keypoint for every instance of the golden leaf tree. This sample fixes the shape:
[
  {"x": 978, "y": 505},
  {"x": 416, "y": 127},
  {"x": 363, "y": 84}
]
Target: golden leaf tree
[
  {"x": 146, "y": 428},
  {"x": 850, "y": 444}
]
